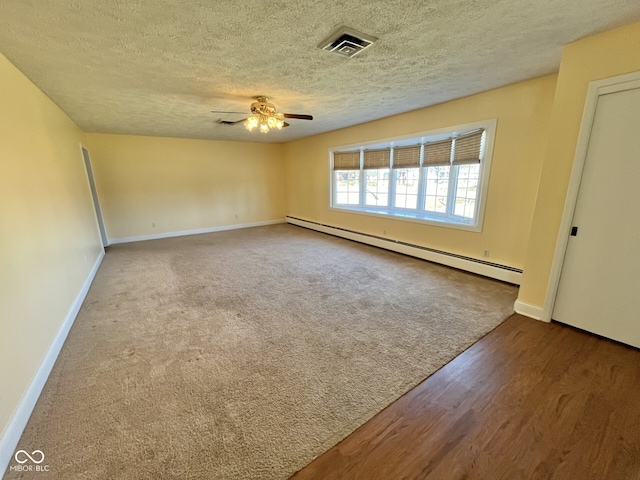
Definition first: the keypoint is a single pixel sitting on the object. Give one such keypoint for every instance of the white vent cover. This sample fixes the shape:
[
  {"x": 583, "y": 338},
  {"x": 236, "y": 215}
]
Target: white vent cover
[{"x": 347, "y": 42}]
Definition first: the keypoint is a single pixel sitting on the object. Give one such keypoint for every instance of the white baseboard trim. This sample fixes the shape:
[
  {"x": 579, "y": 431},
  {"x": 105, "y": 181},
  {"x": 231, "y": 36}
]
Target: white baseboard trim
[
  {"x": 528, "y": 310},
  {"x": 13, "y": 431},
  {"x": 197, "y": 231},
  {"x": 499, "y": 272}
]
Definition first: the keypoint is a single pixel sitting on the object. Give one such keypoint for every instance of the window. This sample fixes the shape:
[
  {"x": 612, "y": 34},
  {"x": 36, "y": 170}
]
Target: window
[
  {"x": 406, "y": 176},
  {"x": 436, "y": 178},
  {"x": 346, "y": 178},
  {"x": 376, "y": 177},
  {"x": 466, "y": 190}
]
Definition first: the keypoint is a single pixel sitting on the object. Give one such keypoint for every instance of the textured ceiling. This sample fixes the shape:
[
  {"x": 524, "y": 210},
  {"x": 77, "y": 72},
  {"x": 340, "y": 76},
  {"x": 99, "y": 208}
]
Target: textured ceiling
[{"x": 159, "y": 67}]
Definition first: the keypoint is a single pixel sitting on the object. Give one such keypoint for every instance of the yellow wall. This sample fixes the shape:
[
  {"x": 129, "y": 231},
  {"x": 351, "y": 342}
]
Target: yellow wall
[
  {"x": 601, "y": 56},
  {"x": 48, "y": 234},
  {"x": 523, "y": 111},
  {"x": 182, "y": 184}
]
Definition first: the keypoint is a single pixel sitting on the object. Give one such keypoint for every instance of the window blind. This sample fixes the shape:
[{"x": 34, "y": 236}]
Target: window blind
[
  {"x": 374, "y": 159},
  {"x": 346, "y": 160},
  {"x": 437, "y": 154},
  {"x": 406, "y": 157},
  {"x": 467, "y": 148}
]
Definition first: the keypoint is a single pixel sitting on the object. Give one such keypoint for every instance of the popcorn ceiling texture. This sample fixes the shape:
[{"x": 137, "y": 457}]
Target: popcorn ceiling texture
[{"x": 159, "y": 68}]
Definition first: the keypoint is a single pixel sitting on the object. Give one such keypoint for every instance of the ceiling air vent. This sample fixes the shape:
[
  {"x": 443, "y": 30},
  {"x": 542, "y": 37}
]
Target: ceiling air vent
[{"x": 347, "y": 42}]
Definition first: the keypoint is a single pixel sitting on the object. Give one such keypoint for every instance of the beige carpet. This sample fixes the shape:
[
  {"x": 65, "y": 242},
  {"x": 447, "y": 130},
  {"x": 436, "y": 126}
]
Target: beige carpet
[{"x": 245, "y": 354}]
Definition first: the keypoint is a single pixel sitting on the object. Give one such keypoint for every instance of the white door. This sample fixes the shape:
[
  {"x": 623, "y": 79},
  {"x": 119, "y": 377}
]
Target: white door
[{"x": 599, "y": 288}]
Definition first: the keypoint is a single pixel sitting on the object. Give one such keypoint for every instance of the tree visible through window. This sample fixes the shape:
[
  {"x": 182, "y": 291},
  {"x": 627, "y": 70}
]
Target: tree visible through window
[
  {"x": 377, "y": 187},
  {"x": 346, "y": 177},
  {"x": 347, "y": 187},
  {"x": 466, "y": 190},
  {"x": 437, "y": 189},
  {"x": 407, "y": 181}
]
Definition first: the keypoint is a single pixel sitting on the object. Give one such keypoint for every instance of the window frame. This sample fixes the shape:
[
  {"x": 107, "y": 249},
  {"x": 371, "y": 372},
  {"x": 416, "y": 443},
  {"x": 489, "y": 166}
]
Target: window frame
[{"x": 419, "y": 215}]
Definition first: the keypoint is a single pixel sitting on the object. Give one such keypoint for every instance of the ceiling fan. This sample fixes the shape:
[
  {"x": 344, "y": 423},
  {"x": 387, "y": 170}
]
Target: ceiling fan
[{"x": 263, "y": 116}]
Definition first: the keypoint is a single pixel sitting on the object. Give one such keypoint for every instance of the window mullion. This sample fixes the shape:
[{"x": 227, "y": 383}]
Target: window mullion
[
  {"x": 453, "y": 188},
  {"x": 422, "y": 182},
  {"x": 391, "y": 199},
  {"x": 363, "y": 183},
  {"x": 453, "y": 182}
]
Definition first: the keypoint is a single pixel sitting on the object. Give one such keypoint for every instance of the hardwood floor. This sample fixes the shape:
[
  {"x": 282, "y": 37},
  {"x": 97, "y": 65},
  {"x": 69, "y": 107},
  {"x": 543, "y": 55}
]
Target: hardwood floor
[{"x": 529, "y": 400}]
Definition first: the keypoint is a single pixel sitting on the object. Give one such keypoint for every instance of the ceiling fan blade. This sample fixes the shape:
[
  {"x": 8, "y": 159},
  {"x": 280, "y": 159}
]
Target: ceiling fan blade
[
  {"x": 299, "y": 117},
  {"x": 238, "y": 113},
  {"x": 227, "y": 122}
]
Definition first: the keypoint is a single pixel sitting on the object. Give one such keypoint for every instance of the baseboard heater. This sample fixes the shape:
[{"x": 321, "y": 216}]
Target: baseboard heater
[{"x": 469, "y": 264}]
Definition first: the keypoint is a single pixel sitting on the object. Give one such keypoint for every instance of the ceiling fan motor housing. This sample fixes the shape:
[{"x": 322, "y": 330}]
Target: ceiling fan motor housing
[{"x": 263, "y": 107}]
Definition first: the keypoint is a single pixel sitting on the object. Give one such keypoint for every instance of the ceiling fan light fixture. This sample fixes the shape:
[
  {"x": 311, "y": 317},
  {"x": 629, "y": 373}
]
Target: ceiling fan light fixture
[
  {"x": 264, "y": 127},
  {"x": 251, "y": 123}
]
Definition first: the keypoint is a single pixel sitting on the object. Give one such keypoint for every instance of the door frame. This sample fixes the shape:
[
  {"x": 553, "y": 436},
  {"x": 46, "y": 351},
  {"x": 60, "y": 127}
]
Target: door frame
[
  {"x": 597, "y": 88},
  {"x": 95, "y": 200}
]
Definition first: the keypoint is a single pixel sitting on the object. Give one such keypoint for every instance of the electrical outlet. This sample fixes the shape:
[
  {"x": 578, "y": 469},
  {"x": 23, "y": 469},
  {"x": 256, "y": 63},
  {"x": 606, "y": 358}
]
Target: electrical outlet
[
  {"x": 485, "y": 253},
  {"x": 384, "y": 232},
  {"x": 236, "y": 215},
  {"x": 153, "y": 224}
]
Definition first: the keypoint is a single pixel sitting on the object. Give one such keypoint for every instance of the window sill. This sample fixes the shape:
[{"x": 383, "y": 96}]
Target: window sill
[{"x": 412, "y": 217}]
